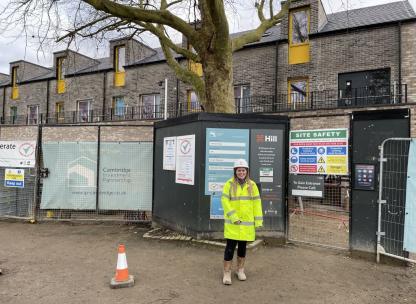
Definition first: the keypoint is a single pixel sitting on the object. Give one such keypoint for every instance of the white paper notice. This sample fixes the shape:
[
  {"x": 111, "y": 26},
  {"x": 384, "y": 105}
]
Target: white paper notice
[
  {"x": 169, "y": 153},
  {"x": 185, "y": 159}
]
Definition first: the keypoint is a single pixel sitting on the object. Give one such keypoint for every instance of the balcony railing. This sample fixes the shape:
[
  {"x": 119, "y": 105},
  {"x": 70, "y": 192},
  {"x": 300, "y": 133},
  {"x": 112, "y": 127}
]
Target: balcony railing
[{"x": 316, "y": 100}]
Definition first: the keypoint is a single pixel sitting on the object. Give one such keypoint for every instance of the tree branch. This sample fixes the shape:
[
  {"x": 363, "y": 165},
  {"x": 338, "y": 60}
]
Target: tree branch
[
  {"x": 168, "y": 42},
  {"x": 144, "y": 15},
  {"x": 183, "y": 74},
  {"x": 255, "y": 35}
]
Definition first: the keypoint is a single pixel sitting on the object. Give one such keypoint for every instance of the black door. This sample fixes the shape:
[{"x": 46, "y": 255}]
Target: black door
[
  {"x": 369, "y": 129},
  {"x": 364, "y": 88}
]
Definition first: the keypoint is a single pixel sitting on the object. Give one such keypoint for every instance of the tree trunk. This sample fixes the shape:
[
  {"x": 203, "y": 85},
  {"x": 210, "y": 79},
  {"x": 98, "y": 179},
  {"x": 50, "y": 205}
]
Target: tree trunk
[{"x": 218, "y": 75}]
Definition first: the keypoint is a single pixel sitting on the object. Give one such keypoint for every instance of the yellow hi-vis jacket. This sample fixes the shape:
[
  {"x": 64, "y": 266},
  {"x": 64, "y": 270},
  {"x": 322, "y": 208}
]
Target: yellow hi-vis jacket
[{"x": 241, "y": 206}]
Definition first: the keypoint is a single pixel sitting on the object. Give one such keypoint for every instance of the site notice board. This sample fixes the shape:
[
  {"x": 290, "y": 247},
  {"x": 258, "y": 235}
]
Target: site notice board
[
  {"x": 219, "y": 140},
  {"x": 319, "y": 152}
]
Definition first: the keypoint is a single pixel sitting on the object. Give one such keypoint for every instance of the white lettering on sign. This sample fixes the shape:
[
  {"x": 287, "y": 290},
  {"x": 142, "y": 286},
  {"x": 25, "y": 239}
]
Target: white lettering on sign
[{"x": 270, "y": 138}]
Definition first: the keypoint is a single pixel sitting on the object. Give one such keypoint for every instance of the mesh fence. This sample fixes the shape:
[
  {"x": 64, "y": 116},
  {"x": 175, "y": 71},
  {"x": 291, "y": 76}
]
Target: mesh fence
[
  {"x": 322, "y": 221},
  {"x": 18, "y": 201},
  {"x": 395, "y": 221},
  {"x": 96, "y": 173}
]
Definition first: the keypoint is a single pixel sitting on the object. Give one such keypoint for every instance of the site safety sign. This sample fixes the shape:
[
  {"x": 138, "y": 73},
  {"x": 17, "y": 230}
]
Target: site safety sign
[
  {"x": 14, "y": 178},
  {"x": 319, "y": 152}
]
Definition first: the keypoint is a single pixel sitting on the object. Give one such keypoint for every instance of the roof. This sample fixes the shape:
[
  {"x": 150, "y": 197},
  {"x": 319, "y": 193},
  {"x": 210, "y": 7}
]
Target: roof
[{"x": 379, "y": 14}]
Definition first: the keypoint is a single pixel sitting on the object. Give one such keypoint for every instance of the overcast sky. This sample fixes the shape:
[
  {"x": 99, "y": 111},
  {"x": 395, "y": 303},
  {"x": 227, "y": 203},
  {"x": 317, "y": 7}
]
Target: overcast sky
[{"x": 12, "y": 48}]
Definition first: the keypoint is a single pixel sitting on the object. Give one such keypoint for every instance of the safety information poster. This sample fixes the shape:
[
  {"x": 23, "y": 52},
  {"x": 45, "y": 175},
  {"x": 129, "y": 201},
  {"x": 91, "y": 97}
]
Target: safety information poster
[
  {"x": 223, "y": 148},
  {"x": 319, "y": 152},
  {"x": 185, "y": 160},
  {"x": 169, "y": 153}
]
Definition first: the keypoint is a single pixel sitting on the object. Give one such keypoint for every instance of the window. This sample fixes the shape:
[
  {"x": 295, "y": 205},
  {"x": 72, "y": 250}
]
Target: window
[
  {"x": 193, "y": 102},
  {"x": 60, "y": 74},
  {"x": 119, "y": 107},
  {"x": 59, "y": 111},
  {"x": 242, "y": 97},
  {"x": 33, "y": 115},
  {"x": 298, "y": 93},
  {"x": 15, "y": 89},
  {"x": 13, "y": 115},
  {"x": 151, "y": 106},
  {"x": 119, "y": 63},
  {"x": 84, "y": 111},
  {"x": 299, "y": 26}
]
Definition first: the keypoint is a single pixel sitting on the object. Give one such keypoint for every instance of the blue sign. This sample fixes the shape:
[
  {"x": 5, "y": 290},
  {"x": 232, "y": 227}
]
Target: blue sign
[
  {"x": 307, "y": 151},
  {"x": 294, "y": 159},
  {"x": 13, "y": 183},
  {"x": 223, "y": 148},
  {"x": 216, "y": 210},
  {"x": 321, "y": 150},
  {"x": 307, "y": 160},
  {"x": 336, "y": 151}
]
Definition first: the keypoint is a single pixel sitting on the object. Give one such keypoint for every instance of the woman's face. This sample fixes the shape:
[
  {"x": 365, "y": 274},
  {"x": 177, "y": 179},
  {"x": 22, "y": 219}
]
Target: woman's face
[{"x": 241, "y": 173}]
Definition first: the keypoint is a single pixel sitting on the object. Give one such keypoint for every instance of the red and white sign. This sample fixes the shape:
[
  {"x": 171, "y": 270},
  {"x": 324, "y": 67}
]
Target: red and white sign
[{"x": 185, "y": 160}]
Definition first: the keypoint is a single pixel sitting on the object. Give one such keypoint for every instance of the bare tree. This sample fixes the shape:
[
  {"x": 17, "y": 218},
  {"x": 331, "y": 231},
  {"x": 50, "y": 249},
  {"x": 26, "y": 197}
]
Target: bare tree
[{"x": 208, "y": 37}]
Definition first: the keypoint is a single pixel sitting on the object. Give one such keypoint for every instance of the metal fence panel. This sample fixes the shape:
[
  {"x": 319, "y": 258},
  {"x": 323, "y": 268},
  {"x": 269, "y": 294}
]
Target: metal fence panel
[
  {"x": 18, "y": 202},
  {"x": 94, "y": 177},
  {"x": 322, "y": 221},
  {"x": 394, "y": 155}
]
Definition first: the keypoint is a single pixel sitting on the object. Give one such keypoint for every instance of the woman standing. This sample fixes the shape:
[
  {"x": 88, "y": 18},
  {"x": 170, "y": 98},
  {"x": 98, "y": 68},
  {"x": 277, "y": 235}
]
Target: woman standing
[{"x": 242, "y": 214}]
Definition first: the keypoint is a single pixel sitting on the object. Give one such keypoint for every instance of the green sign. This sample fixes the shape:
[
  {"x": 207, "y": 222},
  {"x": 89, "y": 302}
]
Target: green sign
[{"x": 319, "y": 134}]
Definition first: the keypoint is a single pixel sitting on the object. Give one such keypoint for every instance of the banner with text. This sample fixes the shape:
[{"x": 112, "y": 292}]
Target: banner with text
[
  {"x": 319, "y": 152},
  {"x": 18, "y": 154}
]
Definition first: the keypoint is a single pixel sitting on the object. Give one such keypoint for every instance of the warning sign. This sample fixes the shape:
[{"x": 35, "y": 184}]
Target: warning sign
[
  {"x": 319, "y": 152},
  {"x": 14, "y": 178}
]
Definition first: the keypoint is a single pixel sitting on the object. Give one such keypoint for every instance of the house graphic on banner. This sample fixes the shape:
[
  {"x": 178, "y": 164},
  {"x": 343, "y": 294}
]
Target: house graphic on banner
[{"x": 81, "y": 173}]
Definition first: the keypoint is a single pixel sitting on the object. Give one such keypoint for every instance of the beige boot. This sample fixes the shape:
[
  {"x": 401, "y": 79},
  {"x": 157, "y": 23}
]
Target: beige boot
[
  {"x": 226, "y": 280},
  {"x": 240, "y": 269}
]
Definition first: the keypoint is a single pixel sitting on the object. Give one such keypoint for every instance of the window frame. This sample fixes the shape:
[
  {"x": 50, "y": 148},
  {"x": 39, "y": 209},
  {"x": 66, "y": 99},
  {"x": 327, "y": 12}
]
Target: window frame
[
  {"x": 13, "y": 114},
  {"x": 243, "y": 106},
  {"x": 117, "y": 64},
  {"x": 88, "y": 117},
  {"x": 115, "y": 111},
  {"x": 306, "y": 98},
  {"x": 155, "y": 113},
  {"x": 307, "y": 9},
  {"x": 32, "y": 120},
  {"x": 197, "y": 106}
]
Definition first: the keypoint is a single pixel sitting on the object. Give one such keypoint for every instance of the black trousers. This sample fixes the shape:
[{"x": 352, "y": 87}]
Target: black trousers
[{"x": 230, "y": 247}]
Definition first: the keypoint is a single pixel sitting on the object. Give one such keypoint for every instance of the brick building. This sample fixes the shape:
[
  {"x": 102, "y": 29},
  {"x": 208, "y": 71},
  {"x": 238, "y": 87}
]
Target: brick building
[{"x": 312, "y": 60}]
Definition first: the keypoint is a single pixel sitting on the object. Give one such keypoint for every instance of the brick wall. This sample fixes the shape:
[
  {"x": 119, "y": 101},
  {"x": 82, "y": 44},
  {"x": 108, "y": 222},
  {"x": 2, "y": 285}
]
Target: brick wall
[
  {"x": 19, "y": 133},
  {"x": 357, "y": 50},
  {"x": 409, "y": 59}
]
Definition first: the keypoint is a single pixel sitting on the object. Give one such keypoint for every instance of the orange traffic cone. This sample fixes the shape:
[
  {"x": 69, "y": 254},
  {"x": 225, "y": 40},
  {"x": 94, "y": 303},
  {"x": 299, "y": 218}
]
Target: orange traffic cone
[{"x": 122, "y": 277}]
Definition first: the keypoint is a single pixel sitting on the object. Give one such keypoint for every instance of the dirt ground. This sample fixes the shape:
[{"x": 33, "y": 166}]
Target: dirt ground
[{"x": 62, "y": 263}]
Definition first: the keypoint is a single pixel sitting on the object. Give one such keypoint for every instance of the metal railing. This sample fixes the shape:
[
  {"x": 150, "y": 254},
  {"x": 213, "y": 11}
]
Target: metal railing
[{"x": 314, "y": 100}]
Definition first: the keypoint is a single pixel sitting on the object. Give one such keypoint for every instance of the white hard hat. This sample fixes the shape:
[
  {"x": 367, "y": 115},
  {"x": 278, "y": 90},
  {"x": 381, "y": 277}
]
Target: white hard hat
[{"x": 240, "y": 163}]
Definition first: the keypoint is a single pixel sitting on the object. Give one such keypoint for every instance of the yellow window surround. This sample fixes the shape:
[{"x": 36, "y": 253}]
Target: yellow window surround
[
  {"x": 60, "y": 84},
  {"x": 194, "y": 66},
  {"x": 119, "y": 61},
  {"x": 15, "y": 88},
  {"x": 298, "y": 51}
]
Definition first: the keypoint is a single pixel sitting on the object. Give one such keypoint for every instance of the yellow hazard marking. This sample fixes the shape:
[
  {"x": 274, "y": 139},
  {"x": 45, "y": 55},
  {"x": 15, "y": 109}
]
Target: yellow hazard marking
[
  {"x": 321, "y": 160},
  {"x": 321, "y": 169},
  {"x": 337, "y": 169},
  {"x": 337, "y": 160}
]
